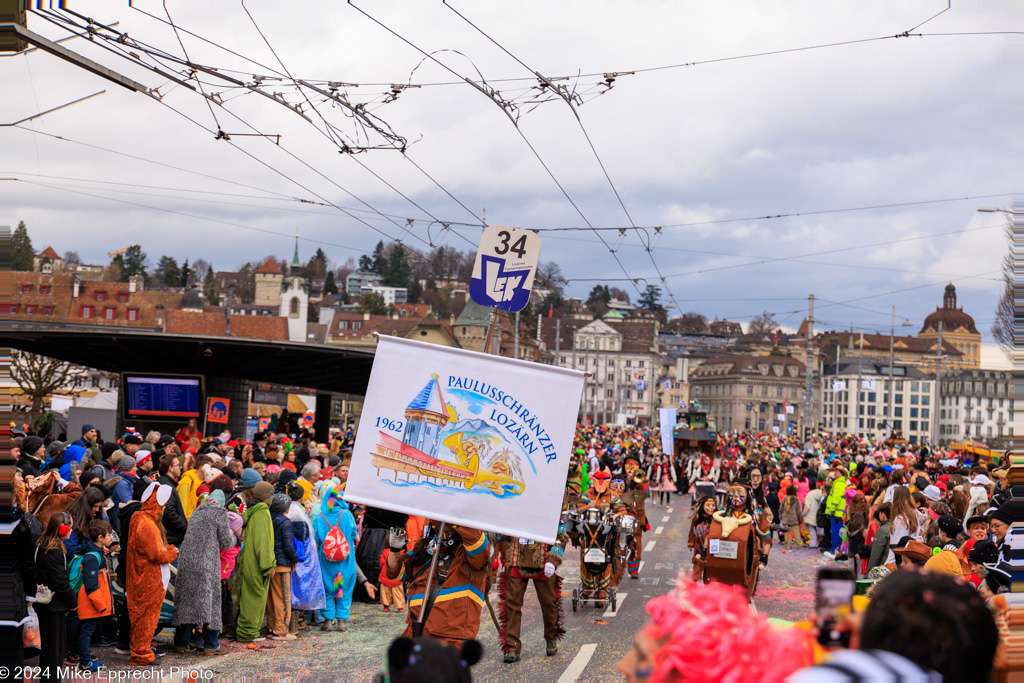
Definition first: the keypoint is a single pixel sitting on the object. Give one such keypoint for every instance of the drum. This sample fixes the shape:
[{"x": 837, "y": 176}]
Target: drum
[
  {"x": 592, "y": 516},
  {"x": 625, "y": 524},
  {"x": 571, "y": 519}
]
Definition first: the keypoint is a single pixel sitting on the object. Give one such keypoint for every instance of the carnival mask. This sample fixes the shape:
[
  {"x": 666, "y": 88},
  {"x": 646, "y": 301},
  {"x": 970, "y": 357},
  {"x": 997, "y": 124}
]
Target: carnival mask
[
  {"x": 617, "y": 486},
  {"x": 738, "y": 497},
  {"x": 630, "y": 468},
  {"x": 600, "y": 485},
  {"x": 709, "y": 506},
  {"x": 755, "y": 478}
]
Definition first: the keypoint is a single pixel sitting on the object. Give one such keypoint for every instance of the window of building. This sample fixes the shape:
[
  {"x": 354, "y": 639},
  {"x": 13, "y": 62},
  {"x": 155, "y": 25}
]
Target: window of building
[
  {"x": 609, "y": 393},
  {"x": 898, "y": 398},
  {"x": 764, "y": 391},
  {"x": 611, "y": 376},
  {"x": 343, "y": 325},
  {"x": 47, "y": 310},
  {"x": 357, "y": 324},
  {"x": 26, "y": 289},
  {"x": 750, "y": 389},
  {"x": 109, "y": 313},
  {"x": 132, "y": 314},
  {"x": 122, "y": 297},
  {"x": 628, "y": 362},
  {"x": 926, "y": 387},
  {"x": 85, "y": 312},
  {"x": 639, "y": 395},
  {"x": 913, "y": 425},
  {"x": 899, "y": 385},
  {"x": 44, "y": 289},
  {"x": 30, "y": 309},
  {"x": 925, "y": 412},
  {"x": 100, "y": 296},
  {"x": 778, "y": 391},
  {"x": 871, "y": 410},
  {"x": 924, "y": 426},
  {"x": 913, "y": 412},
  {"x": 639, "y": 363},
  {"x": 629, "y": 394},
  {"x": 897, "y": 411},
  {"x": 897, "y": 424},
  {"x": 914, "y": 398}
]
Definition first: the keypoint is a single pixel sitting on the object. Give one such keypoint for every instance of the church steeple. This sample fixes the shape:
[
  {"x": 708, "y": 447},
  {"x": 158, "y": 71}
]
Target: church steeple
[{"x": 296, "y": 265}]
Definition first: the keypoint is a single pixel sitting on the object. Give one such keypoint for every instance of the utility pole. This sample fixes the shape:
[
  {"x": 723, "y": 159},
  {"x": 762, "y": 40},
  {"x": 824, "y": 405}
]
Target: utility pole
[
  {"x": 860, "y": 353},
  {"x": 891, "y": 382},
  {"x": 810, "y": 412},
  {"x": 933, "y": 433}
]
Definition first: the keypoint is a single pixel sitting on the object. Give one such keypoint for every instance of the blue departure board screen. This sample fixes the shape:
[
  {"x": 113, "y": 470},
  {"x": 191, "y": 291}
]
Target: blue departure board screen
[{"x": 162, "y": 397}]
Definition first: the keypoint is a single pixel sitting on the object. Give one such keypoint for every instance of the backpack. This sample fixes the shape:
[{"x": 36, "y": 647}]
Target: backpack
[
  {"x": 300, "y": 536},
  {"x": 336, "y": 547},
  {"x": 75, "y": 570}
]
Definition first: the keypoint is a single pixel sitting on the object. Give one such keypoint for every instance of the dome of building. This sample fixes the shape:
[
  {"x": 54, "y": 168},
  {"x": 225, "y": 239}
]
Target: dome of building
[{"x": 952, "y": 318}]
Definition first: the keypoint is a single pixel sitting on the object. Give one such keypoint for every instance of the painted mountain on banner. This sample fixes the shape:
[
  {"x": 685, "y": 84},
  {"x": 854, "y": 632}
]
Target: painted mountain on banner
[{"x": 475, "y": 427}]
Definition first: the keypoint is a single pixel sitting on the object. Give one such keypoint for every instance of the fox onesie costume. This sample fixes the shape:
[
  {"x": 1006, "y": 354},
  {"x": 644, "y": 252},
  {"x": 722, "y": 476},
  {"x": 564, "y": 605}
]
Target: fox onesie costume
[{"x": 149, "y": 559}]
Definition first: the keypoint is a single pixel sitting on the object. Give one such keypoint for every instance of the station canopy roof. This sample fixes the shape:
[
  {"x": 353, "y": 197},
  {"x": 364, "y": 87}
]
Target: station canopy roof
[{"x": 317, "y": 366}]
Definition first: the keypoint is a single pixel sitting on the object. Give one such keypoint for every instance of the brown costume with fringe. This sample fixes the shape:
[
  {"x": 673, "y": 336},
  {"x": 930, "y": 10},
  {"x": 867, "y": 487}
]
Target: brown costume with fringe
[
  {"x": 746, "y": 531},
  {"x": 524, "y": 561},
  {"x": 45, "y": 497}
]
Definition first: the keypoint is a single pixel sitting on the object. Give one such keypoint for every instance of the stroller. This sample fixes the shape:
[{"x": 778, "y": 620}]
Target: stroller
[
  {"x": 701, "y": 490},
  {"x": 603, "y": 538},
  {"x": 121, "y": 600}
]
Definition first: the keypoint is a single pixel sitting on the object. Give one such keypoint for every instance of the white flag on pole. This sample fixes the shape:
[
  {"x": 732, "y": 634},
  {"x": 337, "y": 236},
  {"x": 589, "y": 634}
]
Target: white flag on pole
[
  {"x": 668, "y": 425},
  {"x": 466, "y": 438}
]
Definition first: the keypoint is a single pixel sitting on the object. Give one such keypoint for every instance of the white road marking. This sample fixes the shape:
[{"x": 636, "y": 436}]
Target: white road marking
[
  {"x": 642, "y": 563},
  {"x": 665, "y": 518},
  {"x": 619, "y": 598},
  {"x": 669, "y": 511},
  {"x": 649, "y": 547},
  {"x": 659, "y": 530},
  {"x": 578, "y": 664}
]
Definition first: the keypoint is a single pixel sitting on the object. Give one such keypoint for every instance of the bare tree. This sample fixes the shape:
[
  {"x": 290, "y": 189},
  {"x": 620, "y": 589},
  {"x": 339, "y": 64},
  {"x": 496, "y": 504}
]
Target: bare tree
[
  {"x": 763, "y": 324},
  {"x": 39, "y": 376},
  {"x": 1002, "y": 328}
]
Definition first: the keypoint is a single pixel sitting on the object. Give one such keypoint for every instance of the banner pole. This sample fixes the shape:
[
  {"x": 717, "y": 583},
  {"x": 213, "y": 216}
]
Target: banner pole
[{"x": 430, "y": 580}]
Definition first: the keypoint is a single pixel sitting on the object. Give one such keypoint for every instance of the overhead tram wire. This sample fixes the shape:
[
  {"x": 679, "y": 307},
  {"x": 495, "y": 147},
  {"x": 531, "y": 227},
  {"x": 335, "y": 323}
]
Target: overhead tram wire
[
  {"x": 540, "y": 160},
  {"x": 301, "y": 161},
  {"x": 800, "y": 259},
  {"x": 790, "y": 215},
  {"x": 330, "y": 136},
  {"x": 187, "y": 215},
  {"x": 644, "y": 238}
]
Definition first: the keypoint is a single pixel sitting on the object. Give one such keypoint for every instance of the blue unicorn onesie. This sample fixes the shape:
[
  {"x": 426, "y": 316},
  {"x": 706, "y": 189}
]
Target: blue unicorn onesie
[{"x": 333, "y": 528}]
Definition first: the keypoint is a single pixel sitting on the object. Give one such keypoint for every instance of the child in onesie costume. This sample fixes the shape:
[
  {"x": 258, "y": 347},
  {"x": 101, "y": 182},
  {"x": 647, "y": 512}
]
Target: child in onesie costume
[{"x": 339, "y": 576}]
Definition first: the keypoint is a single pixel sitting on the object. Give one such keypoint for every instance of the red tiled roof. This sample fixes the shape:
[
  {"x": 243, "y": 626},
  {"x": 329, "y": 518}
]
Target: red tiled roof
[
  {"x": 196, "y": 323},
  {"x": 49, "y": 253},
  {"x": 259, "y": 327},
  {"x": 269, "y": 267}
]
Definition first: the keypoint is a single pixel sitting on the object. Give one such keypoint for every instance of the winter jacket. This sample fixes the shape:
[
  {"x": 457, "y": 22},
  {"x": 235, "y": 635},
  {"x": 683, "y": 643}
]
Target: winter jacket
[
  {"x": 879, "y": 546},
  {"x": 811, "y": 505},
  {"x": 791, "y": 515},
  {"x": 835, "y": 505},
  {"x": 30, "y": 465},
  {"x": 188, "y": 495},
  {"x": 52, "y": 571},
  {"x": 94, "y": 599},
  {"x": 174, "y": 520},
  {"x": 284, "y": 541},
  {"x": 122, "y": 492},
  {"x": 124, "y": 517},
  {"x": 197, "y": 587},
  {"x": 257, "y": 556}
]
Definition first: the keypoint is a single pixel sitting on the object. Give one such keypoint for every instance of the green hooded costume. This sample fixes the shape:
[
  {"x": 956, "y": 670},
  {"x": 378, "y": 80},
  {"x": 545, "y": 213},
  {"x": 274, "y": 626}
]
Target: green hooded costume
[{"x": 255, "y": 563}]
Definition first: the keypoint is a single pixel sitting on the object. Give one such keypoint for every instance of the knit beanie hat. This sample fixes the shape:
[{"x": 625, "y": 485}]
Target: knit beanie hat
[
  {"x": 125, "y": 463},
  {"x": 263, "y": 491},
  {"x": 280, "y": 503},
  {"x": 108, "y": 449},
  {"x": 250, "y": 478},
  {"x": 294, "y": 491},
  {"x": 31, "y": 444}
]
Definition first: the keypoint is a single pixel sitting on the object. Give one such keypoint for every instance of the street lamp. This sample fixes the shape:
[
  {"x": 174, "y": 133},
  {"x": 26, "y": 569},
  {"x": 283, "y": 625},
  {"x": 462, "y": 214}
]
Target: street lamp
[
  {"x": 892, "y": 383},
  {"x": 991, "y": 209}
]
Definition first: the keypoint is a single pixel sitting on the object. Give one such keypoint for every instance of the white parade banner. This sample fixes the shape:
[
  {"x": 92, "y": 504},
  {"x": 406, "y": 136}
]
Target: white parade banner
[
  {"x": 465, "y": 438},
  {"x": 667, "y": 417}
]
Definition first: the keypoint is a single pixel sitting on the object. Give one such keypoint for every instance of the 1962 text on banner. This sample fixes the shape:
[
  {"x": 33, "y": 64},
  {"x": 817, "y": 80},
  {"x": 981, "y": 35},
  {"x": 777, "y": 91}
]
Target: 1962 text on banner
[{"x": 466, "y": 438}]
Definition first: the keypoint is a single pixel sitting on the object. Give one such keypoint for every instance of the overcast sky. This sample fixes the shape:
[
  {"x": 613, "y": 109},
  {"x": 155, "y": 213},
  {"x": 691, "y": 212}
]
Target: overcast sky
[{"x": 879, "y": 122}]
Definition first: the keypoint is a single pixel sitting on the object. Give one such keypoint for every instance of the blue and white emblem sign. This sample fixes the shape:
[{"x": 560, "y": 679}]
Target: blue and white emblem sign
[{"x": 505, "y": 265}]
